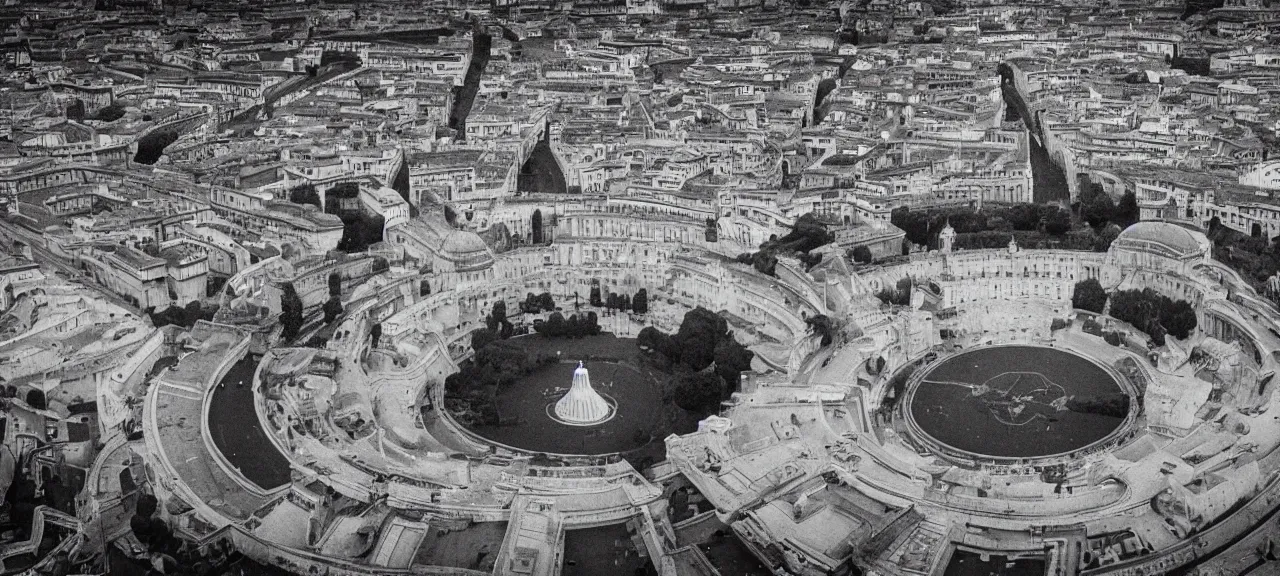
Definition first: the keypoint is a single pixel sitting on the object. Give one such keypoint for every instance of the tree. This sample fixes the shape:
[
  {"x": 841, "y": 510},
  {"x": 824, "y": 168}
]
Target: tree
[
  {"x": 698, "y": 392},
  {"x": 531, "y": 304},
  {"x": 110, "y": 113},
  {"x": 703, "y": 340},
  {"x": 1157, "y": 333},
  {"x": 536, "y": 225},
  {"x": 481, "y": 338},
  {"x": 75, "y": 110},
  {"x": 810, "y": 259},
  {"x": 305, "y": 194},
  {"x": 1058, "y": 222},
  {"x": 290, "y": 311},
  {"x": 640, "y": 304},
  {"x": 491, "y": 321},
  {"x": 1193, "y": 7},
  {"x": 764, "y": 262},
  {"x": 900, "y": 295},
  {"x": 594, "y": 298},
  {"x": 821, "y": 324},
  {"x": 588, "y": 324},
  {"x": 1139, "y": 309},
  {"x": 807, "y": 234},
  {"x": 1127, "y": 211},
  {"x": 699, "y": 332},
  {"x": 679, "y": 504},
  {"x": 335, "y": 195},
  {"x": 1088, "y": 188},
  {"x": 658, "y": 344},
  {"x": 1089, "y": 295},
  {"x": 1103, "y": 238},
  {"x": 915, "y": 224},
  {"x": 1024, "y": 217},
  {"x": 732, "y": 359},
  {"x": 193, "y": 311},
  {"x": 497, "y": 321},
  {"x": 469, "y": 392},
  {"x": 359, "y": 230},
  {"x": 1154, "y": 313},
  {"x": 651, "y": 339},
  {"x": 1099, "y": 210},
  {"x": 573, "y": 326},
  {"x": 332, "y": 309},
  {"x": 862, "y": 254},
  {"x": 1179, "y": 318},
  {"x": 546, "y": 302},
  {"x": 554, "y": 326},
  {"x": 335, "y": 284}
]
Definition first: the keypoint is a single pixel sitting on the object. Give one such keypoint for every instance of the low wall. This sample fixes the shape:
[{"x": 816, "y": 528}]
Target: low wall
[
  {"x": 167, "y": 480},
  {"x": 598, "y": 518},
  {"x": 112, "y": 410},
  {"x": 1091, "y": 501},
  {"x": 301, "y": 562}
]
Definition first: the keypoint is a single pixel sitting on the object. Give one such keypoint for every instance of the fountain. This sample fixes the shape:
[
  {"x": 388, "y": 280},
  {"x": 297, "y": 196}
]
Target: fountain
[
  {"x": 583, "y": 406},
  {"x": 539, "y": 413}
]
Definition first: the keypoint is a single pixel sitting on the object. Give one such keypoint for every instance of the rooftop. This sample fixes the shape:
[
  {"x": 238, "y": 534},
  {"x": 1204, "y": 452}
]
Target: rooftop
[{"x": 1178, "y": 240}]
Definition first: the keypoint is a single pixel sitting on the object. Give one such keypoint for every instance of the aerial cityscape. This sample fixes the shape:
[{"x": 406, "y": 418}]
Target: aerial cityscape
[{"x": 640, "y": 287}]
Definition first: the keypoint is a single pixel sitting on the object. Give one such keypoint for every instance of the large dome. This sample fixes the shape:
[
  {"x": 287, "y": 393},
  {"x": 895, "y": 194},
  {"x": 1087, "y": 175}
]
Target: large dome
[
  {"x": 466, "y": 250},
  {"x": 1163, "y": 238}
]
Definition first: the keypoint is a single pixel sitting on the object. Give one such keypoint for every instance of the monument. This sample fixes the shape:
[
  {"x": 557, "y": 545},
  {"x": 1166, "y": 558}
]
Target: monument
[{"x": 582, "y": 406}]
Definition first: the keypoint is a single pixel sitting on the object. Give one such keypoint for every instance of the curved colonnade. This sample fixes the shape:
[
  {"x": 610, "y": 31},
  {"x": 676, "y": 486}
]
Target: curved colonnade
[
  {"x": 811, "y": 463},
  {"x": 368, "y": 463}
]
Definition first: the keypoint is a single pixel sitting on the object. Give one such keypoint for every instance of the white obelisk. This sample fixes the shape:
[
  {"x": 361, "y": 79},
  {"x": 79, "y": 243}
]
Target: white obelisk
[{"x": 582, "y": 405}]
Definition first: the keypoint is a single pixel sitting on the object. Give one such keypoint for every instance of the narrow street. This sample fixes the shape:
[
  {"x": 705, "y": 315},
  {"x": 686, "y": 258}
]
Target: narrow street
[{"x": 1049, "y": 182}]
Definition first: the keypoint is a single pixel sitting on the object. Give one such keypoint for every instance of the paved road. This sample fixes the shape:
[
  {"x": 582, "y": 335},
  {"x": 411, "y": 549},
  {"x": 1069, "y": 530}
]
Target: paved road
[{"x": 49, "y": 259}]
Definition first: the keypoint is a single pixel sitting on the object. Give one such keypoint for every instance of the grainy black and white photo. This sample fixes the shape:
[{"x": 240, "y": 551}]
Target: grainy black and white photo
[{"x": 639, "y": 287}]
